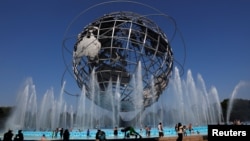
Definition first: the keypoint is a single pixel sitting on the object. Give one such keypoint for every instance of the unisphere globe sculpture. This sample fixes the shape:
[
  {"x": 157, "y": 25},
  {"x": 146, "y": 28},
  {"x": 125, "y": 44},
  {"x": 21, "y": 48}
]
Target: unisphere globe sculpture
[{"x": 122, "y": 56}]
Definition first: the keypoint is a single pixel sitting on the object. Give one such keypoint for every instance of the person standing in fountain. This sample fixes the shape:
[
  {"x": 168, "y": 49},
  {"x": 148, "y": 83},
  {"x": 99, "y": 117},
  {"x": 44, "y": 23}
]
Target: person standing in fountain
[
  {"x": 160, "y": 130},
  {"x": 147, "y": 128},
  {"x": 179, "y": 132},
  {"x": 61, "y": 133},
  {"x": 184, "y": 130},
  {"x": 88, "y": 133},
  {"x": 115, "y": 131},
  {"x": 66, "y": 135},
  {"x": 55, "y": 132},
  {"x": 190, "y": 128}
]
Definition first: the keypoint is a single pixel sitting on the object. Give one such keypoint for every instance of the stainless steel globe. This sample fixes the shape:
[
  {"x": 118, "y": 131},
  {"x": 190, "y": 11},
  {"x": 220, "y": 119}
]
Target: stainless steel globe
[{"x": 110, "y": 51}]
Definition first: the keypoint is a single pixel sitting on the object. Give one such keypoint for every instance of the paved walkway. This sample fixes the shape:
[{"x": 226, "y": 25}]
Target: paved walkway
[{"x": 185, "y": 138}]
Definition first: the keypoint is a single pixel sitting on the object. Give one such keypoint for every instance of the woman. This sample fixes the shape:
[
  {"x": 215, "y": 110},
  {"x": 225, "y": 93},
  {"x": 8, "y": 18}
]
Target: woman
[{"x": 179, "y": 132}]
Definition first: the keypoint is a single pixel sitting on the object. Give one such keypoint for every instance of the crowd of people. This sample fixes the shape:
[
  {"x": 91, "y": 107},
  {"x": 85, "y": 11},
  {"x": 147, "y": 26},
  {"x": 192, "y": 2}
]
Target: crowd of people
[{"x": 129, "y": 131}]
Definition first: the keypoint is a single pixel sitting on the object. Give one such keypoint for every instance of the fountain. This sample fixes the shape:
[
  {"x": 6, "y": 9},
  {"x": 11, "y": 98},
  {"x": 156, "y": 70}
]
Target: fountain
[
  {"x": 236, "y": 90},
  {"x": 187, "y": 101}
]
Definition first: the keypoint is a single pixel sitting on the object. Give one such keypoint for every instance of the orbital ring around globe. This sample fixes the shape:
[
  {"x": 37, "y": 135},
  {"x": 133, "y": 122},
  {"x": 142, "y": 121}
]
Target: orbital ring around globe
[{"x": 122, "y": 59}]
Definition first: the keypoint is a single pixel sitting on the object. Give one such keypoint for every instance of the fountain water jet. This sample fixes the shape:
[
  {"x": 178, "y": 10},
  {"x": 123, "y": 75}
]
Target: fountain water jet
[
  {"x": 24, "y": 115},
  {"x": 232, "y": 98},
  {"x": 185, "y": 101}
]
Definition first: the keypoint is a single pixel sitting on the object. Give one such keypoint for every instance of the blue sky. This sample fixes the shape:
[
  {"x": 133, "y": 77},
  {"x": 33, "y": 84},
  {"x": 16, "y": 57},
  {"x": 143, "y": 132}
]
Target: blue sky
[{"x": 216, "y": 36}]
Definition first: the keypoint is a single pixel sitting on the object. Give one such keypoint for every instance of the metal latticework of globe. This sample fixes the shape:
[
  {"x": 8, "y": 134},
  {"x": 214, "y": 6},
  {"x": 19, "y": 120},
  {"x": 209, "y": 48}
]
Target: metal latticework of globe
[{"x": 118, "y": 51}]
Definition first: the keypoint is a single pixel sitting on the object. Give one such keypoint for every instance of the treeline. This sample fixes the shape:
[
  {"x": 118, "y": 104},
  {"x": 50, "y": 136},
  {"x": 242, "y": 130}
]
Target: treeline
[
  {"x": 240, "y": 111},
  {"x": 4, "y": 114}
]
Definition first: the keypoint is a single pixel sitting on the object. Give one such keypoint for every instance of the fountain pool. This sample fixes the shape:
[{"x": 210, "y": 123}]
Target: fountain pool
[{"x": 76, "y": 134}]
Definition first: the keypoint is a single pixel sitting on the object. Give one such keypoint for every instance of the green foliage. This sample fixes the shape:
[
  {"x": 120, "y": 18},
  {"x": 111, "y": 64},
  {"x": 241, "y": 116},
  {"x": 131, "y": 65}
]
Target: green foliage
[
  {"x": 4, "y": 114},
  {"x": 5, "y": 111},
  {"x": 240, "y": 110}
]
